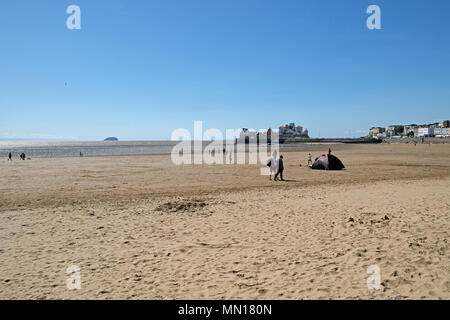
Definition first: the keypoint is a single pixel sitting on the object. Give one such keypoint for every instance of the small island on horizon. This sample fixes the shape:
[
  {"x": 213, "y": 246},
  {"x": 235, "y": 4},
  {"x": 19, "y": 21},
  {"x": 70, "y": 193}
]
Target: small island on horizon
[{"x": 111, "y": 139}]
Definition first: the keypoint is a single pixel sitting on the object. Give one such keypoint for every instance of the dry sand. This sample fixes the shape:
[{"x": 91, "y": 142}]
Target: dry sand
[{"x": 141, "y": 228}]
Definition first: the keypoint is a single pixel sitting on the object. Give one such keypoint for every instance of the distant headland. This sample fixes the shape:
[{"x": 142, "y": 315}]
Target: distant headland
[{"x": 111, "y": 139}]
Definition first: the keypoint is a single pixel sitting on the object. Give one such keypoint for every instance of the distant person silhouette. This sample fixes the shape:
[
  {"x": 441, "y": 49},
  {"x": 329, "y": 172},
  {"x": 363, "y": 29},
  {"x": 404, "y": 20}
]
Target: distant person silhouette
[{"x": 10, "y": 157}]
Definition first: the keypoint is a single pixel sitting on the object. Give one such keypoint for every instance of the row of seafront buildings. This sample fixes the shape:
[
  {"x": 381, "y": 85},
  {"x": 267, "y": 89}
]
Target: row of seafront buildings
[
  {"x": 293, "y": 132},
  {"x": 289, "y": 132},
  {"x": 439, "y": 129}
]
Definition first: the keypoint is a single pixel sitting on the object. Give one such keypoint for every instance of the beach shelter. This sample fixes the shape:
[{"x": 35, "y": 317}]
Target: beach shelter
[{"x": 328, "y": 162}]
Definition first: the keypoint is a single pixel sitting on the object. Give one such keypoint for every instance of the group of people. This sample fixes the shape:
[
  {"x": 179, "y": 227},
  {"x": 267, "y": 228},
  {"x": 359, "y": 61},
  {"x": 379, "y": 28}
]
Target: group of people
[
  {"x": 22, "y": 156},
  {"x": 276, "y": 167}
]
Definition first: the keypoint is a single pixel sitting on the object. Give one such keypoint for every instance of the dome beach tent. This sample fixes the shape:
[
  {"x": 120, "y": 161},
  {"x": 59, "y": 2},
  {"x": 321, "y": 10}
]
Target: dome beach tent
[{"x": 328, "y": 162}]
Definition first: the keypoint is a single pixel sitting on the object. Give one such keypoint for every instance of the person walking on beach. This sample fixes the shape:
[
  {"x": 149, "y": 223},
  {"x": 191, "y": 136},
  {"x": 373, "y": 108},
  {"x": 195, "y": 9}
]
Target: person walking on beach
[
  {"x": 329, "y": 151},
  {"x": 280, "y": 169},
  {"x": 309, "y": 160},
  {"x": 273, "y": 165},
  {"x": 10, "y": 157}
]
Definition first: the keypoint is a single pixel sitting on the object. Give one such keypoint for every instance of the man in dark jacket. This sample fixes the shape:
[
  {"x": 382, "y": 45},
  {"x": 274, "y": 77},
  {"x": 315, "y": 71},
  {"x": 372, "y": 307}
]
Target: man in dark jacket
[{"x": 280, "y": 169}]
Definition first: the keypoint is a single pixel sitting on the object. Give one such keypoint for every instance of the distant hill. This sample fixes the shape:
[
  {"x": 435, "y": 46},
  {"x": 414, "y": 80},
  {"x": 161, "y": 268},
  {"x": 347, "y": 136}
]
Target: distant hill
[{"x": 111, "y": 139}]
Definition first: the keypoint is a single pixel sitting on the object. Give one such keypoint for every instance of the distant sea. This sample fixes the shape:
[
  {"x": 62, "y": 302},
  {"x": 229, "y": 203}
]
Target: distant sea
[
  {"x": 73, "y": 149},
  {"x": 99, "y": 148}
]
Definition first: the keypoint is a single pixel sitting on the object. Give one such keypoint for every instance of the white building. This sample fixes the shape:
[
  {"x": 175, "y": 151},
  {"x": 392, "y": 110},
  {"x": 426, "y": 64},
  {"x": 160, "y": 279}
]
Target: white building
[
  {"x": 441, "y": 132},
  {"x": 425, "y": 132}
]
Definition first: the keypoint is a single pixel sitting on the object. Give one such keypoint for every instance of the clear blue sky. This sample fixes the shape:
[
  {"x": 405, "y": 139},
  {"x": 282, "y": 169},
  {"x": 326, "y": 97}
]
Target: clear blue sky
[{"x": 138, "y": 69}]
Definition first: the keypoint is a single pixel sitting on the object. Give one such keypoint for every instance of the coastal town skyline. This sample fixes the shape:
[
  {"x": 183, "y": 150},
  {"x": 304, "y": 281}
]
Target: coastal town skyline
[{"x": 435, "y": 129}]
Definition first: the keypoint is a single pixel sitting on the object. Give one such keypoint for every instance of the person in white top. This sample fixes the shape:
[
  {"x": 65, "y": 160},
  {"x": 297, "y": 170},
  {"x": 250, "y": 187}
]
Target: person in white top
[{"x": 273, "y": 165}]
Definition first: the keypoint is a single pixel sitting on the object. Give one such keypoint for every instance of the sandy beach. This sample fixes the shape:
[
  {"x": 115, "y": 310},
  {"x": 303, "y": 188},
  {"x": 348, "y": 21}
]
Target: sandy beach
[{"x": 139, "y": 227}]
